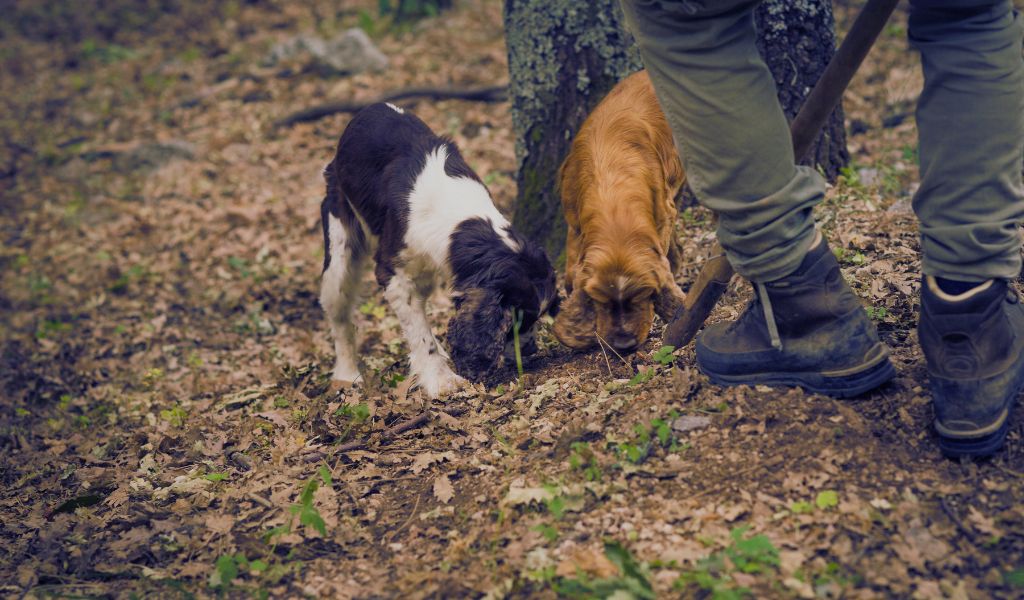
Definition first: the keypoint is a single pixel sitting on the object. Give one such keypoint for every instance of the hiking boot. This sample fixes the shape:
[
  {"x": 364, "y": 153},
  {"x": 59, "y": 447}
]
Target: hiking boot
[
  {"x": 974, "y": 346},
  {"x": 807, "y": 329}
]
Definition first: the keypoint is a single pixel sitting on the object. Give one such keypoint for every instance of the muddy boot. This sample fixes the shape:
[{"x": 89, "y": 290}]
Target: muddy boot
[
  {"x": 807, "y": 329},
  {"x": 974, "y": 345}
]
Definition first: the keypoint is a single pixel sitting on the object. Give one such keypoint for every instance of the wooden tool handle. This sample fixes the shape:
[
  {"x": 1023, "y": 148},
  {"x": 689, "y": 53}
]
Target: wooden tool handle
[
  {"x": 714, "y": 276},
  {"x": 829, "y": 88},
  {"x": 700, "y": 301}
]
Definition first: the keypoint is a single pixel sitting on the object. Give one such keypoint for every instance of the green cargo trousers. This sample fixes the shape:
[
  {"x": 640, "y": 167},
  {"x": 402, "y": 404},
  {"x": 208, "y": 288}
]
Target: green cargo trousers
[{"x": 720, "y": 100}]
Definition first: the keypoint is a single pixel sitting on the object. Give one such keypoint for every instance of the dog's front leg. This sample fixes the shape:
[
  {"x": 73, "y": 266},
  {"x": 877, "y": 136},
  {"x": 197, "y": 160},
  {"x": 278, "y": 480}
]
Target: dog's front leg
[{"x": 428, "y": 360}]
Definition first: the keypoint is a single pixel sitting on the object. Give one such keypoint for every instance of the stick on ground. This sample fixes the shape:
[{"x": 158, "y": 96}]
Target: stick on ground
[{"x": 481, "y": 94}]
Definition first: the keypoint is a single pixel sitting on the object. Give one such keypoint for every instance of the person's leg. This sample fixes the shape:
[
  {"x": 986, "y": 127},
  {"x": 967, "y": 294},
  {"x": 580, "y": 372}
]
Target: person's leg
[
  {"x": 970, "y": 120},
  {"x": 805, "y": 326},
  {"x": 733, "y": 138}
]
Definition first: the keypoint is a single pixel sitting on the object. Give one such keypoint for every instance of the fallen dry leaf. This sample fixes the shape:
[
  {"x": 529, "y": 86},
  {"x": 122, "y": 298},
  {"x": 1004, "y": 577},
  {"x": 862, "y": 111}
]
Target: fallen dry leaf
[{"x": 443, "y": 489}]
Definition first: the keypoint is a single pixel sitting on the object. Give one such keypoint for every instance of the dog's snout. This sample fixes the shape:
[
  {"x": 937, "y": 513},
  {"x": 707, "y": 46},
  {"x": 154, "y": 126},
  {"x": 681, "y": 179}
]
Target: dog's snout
[{"x": 624, "y": 341}]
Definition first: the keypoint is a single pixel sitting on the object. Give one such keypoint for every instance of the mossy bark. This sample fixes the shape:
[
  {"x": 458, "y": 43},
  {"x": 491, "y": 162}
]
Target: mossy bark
[
  {"x": 797, "y": 38},
  {"x": 565, "y": 55}
]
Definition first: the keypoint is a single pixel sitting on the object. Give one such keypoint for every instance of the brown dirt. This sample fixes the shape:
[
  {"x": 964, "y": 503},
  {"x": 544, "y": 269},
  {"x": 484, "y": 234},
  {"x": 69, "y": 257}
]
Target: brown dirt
[{"x": 165, "y": 364}]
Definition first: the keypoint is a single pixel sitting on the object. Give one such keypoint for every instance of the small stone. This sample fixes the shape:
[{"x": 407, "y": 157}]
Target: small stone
[
  {"x": 869, "y": 177},
  {"x": 690, "y": 422},
  {"x": 349, "y": 53}
]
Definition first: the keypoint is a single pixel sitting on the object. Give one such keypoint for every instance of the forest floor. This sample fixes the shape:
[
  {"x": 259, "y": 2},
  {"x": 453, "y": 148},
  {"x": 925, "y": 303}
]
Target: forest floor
[{"x": 167, "y": 427}]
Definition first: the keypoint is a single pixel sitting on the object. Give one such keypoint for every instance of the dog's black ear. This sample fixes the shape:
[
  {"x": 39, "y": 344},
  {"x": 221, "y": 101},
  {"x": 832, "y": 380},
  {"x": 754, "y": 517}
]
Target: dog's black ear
[
  {"x": 555, "y": 305},
  {"x": 477, "y": 332}
]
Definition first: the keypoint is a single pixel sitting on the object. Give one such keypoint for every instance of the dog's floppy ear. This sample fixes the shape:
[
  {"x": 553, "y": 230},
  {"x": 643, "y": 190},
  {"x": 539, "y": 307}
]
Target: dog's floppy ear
[
  {"x": 477, "y": 332},
  {"x": 669, "y": 297},
  {"x": 575, "y": 325}
]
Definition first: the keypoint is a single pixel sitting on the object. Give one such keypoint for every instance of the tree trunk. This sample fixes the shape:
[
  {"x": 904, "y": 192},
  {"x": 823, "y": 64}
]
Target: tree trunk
[
  {"x": 797, "y": 39},
  {"x": 564, "y": 56}
]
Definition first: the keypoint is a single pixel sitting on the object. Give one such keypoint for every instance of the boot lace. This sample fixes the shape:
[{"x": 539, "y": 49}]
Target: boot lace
[{"x": 769, "y": 316}]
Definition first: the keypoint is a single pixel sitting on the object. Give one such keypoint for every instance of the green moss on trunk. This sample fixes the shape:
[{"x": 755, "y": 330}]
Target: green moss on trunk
[{"x": 564, "y": 56}]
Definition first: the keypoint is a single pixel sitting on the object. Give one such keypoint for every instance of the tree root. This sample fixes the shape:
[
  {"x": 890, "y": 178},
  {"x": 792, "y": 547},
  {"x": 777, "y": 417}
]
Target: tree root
[{"x": 481, "y": 94}]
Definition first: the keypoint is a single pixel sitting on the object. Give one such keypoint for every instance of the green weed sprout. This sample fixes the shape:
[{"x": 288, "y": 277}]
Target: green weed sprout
[{"x": 517, "y": 322}]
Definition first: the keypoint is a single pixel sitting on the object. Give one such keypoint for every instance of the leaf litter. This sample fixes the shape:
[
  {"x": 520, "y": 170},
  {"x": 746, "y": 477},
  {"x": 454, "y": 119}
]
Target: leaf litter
[{"x": 169, "y": 424}]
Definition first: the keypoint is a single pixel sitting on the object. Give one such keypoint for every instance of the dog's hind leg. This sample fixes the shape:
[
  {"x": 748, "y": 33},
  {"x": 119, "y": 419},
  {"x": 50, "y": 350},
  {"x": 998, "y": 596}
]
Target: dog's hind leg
[
  {"x": 428, "y": 360},
  {"x": 344, "y": 266}
]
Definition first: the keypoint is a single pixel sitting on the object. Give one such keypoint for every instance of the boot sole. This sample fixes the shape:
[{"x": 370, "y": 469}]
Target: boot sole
[
  {"x": 978, "y": 447},
  {"x": 847, "y": 385}
]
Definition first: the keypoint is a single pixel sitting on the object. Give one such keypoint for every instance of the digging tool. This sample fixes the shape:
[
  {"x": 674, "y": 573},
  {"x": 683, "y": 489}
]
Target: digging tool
[{"x": 716, "y": 272}]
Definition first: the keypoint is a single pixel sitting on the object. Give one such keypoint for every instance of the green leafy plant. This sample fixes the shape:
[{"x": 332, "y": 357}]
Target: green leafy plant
[
  {"x": 849, "y": 177},
  {"x": 749, "y": 555},
  {"x": 550, "y": 532},
  {"x": 372, "y": 309},
  {"x": 646, "y": 438},
  {"x": 583, "y": 458},
  {"x": 664, "y": 355},
  {"x": 107, "y": 53},
  {"x": 307, "y": 513},
  {"x": 392, "y": 380},
  {"x": 176, "y": 415},
  {"x": 230, "y": 566},
  {"x": 50, "y": 328},
  {"x": 356, "y": 414},
  {"x": 827, "y": 499},
  {"x": 1015, "y": 578},
  {"x": 632, "y": 580},
  {"x": 878, "y": 313},
  {"x": 642, "y": 376}
]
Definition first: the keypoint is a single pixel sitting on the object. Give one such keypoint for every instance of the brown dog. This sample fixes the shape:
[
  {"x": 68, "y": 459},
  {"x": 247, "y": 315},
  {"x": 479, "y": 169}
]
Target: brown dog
[{"x": 618, "y": 186}]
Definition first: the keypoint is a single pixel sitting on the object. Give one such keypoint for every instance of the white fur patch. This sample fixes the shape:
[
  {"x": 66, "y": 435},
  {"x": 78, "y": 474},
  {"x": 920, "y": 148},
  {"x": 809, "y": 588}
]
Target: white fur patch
[
  {"x": 427, "y": 360},
  {"x": 620, "y": 285},
  {"x": 438, "y": 203},
  {"x": 339, "y": 294},
  {"x": 395, "y": 108}
]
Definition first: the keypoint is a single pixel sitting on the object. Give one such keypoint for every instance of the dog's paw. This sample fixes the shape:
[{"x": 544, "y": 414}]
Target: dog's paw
[
  {"x": 440, "y": 381},
  {"x": 347, "y": 373}
]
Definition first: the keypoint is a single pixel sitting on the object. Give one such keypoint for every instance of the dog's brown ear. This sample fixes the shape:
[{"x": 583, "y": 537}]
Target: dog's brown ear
[
  {"x": 669, "y": 297},
  {"x": 477, "y": 333},
  {"x": 576, "y": 321}
]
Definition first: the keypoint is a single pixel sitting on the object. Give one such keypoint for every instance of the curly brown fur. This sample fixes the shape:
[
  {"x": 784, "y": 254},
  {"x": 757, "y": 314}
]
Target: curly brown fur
[{"x": 618, "y": 186}]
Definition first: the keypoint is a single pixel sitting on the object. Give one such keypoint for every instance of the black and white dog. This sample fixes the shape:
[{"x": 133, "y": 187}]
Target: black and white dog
[{"x": 396, "y": 185}]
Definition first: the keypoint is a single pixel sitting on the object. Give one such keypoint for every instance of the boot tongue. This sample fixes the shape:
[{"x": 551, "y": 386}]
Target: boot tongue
[{"x": 968, "y": 303}]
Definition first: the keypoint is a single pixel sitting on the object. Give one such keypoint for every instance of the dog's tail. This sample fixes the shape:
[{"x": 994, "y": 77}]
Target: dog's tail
[{"x": 337, "y": 205}]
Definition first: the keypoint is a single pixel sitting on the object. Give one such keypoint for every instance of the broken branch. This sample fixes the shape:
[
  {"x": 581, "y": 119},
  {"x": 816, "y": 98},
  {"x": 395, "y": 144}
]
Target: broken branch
[{"x": 482, "y": 94}]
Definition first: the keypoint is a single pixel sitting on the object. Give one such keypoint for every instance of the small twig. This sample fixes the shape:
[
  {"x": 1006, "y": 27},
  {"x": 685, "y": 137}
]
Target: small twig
[
  {"x": 411, "y": 515},
  {"x": 259, "y": 500},
  {"x": 396, "y": 430},
  {"x": 1009, "y": 471},
  {"x": 349, "y": 446},
  {"x": 482, "y": 94},
  {"x": 610, "y": 347},
  {"x": 946, "y": 508},
  {"x": 600, "y": 344},
  {"x": 406, "y": 425}
]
